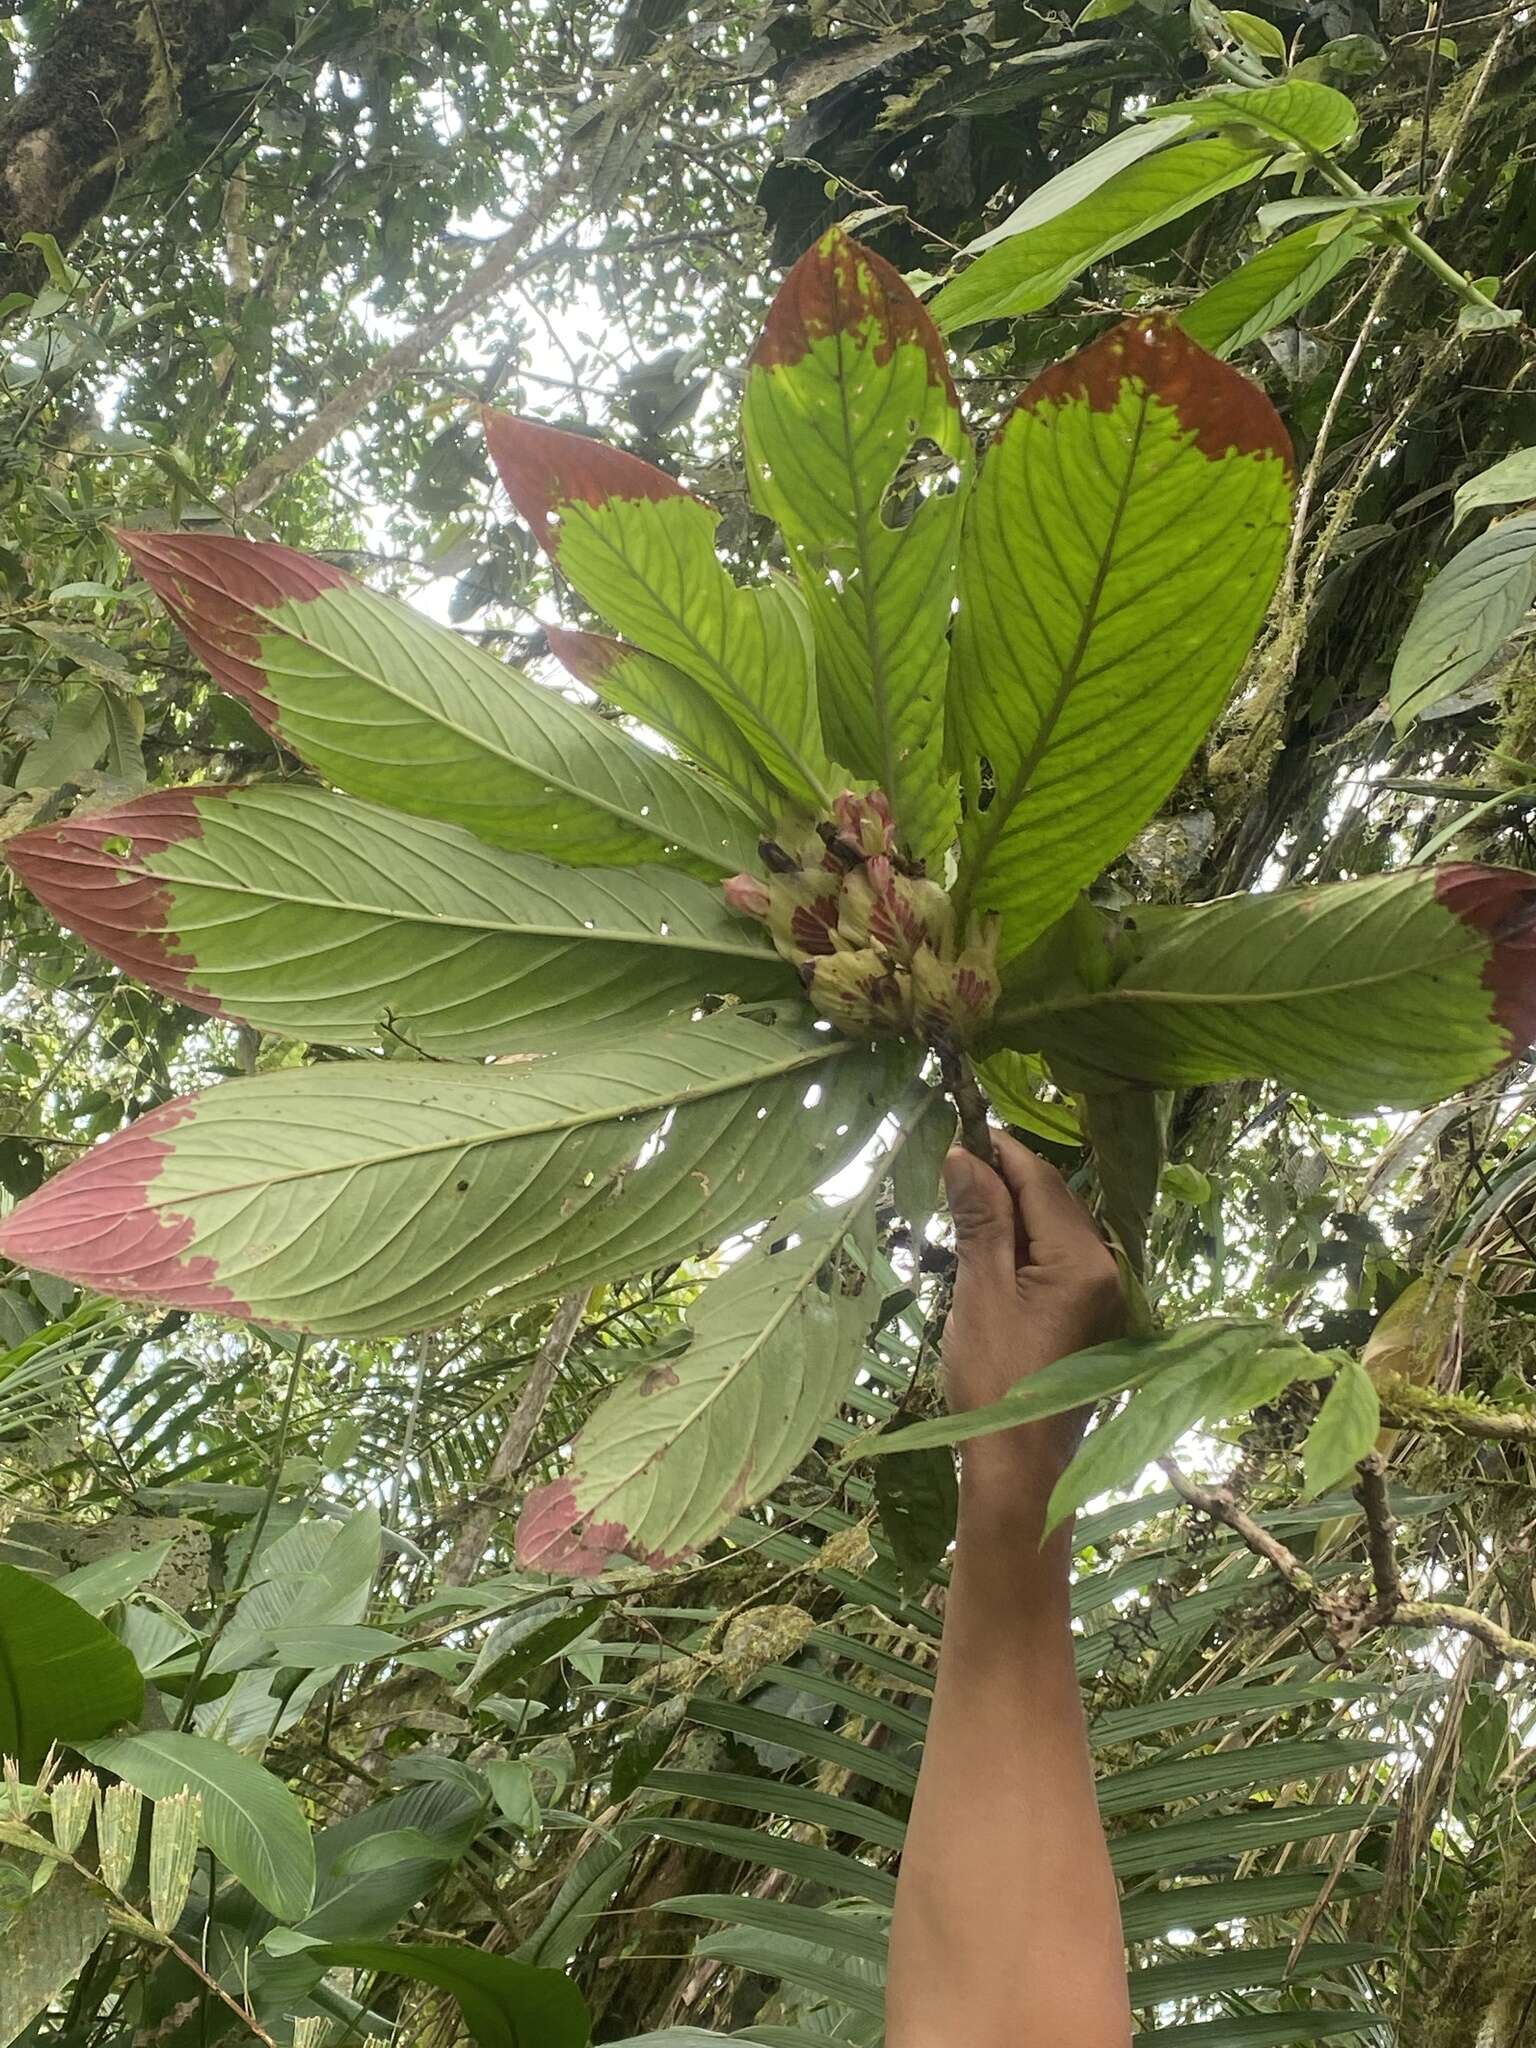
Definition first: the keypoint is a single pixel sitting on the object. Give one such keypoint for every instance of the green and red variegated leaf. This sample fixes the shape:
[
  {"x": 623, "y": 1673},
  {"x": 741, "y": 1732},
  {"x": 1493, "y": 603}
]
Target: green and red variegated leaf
[
  {"x": 642, "y": 550},
  {"x": 689, "y": 1439},
  {"x": 387, "y": 705},
  {"x": 847, "y": 383},
  {"x": 675, "y": 706},
  {"x": 1389, "y": 992},
  {"x": 1120, "y": 547},
  {"x": 368, "y": 1198},
  {"x": 318, "y": 916}
]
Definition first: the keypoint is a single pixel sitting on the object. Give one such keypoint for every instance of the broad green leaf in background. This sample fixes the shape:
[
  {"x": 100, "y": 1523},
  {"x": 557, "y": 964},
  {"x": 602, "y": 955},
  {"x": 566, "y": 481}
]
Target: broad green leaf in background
[
  {"x": 505, "y": 2004},
  {"x": 675, "y": 706},
  {"x": 848, "y": 376},
  {"x": 1119, "y": 549},
  {"x": 1345, "y": 1430},
  {"x": 918, "y": 1498},
  {"x": 1370, "y": 206},
  {"x": 1296, "y": 111},
  {"x": 63, "y": 1676},
  {"x": 378, "y": 1197},
  {"x": 1027, "y": 270},
  {"x": 1272, "y": 286},
  {"x": 250, "y": 1819},
  {"x": 1087, "y": 1377},
  {"x": 43, "y": 1943},
  {"x": 1510, "y": 481},
  {"x": 1012, "y": 1081},
  {"x": 1223, "y": 1377},
  {"x": 389, "y": 706},
  {"x": 316, "y": 916},
  {"x": 641, "y": 549},
  {"x": 98, "y": 1586},
  {"x": 1079, "y": 180},
  {"x": 1394, "y": 990},
  {"x": 684, "y": 1443},
  {"x": 1255, "y": 34},
  {"x": 1468, "y": 612}
]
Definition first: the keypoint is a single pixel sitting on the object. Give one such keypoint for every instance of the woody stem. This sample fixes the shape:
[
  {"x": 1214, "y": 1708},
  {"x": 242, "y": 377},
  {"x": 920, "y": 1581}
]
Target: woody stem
[{"x": 964, "y": 1091}]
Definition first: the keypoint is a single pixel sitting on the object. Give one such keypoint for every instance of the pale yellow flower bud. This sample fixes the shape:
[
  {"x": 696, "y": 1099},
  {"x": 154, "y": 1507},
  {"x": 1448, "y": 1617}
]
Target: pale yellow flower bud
[
  {"x": 117, "y": 1834},
  {"x": 173, "y": 1841}
]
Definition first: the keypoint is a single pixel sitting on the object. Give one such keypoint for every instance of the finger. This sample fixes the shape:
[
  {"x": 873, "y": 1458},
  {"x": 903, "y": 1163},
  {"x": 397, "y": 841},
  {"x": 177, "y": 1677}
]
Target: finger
[
  {"x": 983, "y": 1210},
  {"x": 1054, "y": 1224}
]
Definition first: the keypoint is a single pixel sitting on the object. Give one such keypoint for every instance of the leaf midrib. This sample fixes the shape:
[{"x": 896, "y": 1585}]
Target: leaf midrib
[
  {"x": 998, "y": 814},
  {"x": 554, "y": 777},
  {"x": 677, "y": 1099},
  {"x": 444, "y": 920},
  {"x": 1124, "y": 992},
  {"x": 717, "y": 668}
]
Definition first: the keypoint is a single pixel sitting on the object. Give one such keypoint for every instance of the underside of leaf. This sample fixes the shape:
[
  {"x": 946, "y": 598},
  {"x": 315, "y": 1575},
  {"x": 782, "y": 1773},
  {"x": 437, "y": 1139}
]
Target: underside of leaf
[
  {"x": 317, "y": 916},
  {"x": 370, "y": 1198}
]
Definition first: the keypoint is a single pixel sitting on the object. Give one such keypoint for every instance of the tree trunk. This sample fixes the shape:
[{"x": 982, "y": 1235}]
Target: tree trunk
[{"x": 107, "y": 88}]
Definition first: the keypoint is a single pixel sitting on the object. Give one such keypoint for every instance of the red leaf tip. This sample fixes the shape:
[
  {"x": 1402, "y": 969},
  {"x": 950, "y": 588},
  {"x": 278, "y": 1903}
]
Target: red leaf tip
[
  {"x": 93, "y": 1224},
  {"x": 1225, "y": 412},
  {"x": 543, "y": 468},
  {"x": 217, "y": 587},
  {"x": 556, "y": 1534},
  {"x": 1500, "y": 902},
  {"x": 93, "y": 873},
  {"x": 841, "y": 287}
]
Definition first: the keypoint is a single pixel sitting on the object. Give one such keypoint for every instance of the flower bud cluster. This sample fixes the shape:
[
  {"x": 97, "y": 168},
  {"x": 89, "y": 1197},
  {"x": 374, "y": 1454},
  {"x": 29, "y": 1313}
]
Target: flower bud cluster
[{"x": 873, "y": 940}]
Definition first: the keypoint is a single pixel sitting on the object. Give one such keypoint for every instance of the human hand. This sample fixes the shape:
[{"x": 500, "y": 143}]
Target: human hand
[{"x": 1034, "y": 1280}]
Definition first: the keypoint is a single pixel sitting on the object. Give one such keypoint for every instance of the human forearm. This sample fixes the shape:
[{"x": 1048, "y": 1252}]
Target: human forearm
[{"x": 1005, "y": 1857}]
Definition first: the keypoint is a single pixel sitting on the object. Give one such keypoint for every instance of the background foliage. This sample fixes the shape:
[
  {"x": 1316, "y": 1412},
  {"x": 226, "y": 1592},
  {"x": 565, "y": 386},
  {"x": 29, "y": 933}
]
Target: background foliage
[{"x": 307, "y": 1549}]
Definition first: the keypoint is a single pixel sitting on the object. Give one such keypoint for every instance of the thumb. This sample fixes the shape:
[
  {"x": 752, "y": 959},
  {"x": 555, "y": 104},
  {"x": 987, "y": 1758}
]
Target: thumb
[{"x": 982, "y": 1208}]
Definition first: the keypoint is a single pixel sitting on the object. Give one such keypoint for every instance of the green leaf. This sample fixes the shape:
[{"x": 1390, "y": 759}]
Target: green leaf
[
  {"x": 1012, "y": 1081},
  {"x": 316, "y": 916},
  {"x": 1255, "y": 34},
  {"x": 918, "y": 1498},
  {"x": 523, "y": 1643},
  {"x": 1082, "y": 178},
  {"x": 1271, "y": 287},
  {"x": 1119, "y": 551},
  {"x": 98, "y": 1586},
  {"x": 320, "y": 1648},
  {"x": 1510, "y": 481},
  {"x": 1081, "y": 1380},
  {"x": 389, "y": 706},
  {"x": 1303, "y": 115},
  {"x": 251, "y": 1821},
  {"x": 847, "y": 379},
  {"x": 376, "y": 1197},
  {"x": 1228, "y": 1375},
  {"x": 1364, "y": 207},
  {"x": 1028, "y": 270},
  {"x": 505, "y": 2004},
  {"x": 1468, "y": 612},
  {"x": 681, "y": 1445},
  {"x": 641, "y": 549},
  {"x": 63, "y": 1676},
  {"x": 45, "y": 1940},
  {"x": 673, "y": 705},
  {"x": 1346, "y": 1429},
  {"x": 1393, "y": 990}
]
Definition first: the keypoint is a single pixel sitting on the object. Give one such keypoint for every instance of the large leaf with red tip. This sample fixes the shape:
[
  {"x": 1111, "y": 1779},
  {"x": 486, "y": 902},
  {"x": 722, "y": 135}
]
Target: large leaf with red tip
[
  {"x": 387, "y": 705},
  {"x": 691, "y": 1437},
  {"x": 1394, "y": 991},
  {"x": 1120, "y": 546},
  {"x": 848, "y": 379},
  {"x": 373, "y": 1197},
  {"x": 642, "y": 550},
  {"x": 320, "y": 917}
]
